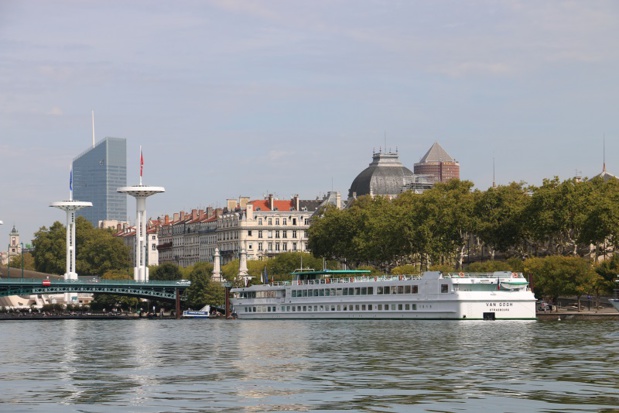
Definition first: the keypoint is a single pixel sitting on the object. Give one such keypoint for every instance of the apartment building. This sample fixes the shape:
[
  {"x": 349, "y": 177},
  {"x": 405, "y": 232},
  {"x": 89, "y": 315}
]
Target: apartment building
[{"x": 262, "y": 227}]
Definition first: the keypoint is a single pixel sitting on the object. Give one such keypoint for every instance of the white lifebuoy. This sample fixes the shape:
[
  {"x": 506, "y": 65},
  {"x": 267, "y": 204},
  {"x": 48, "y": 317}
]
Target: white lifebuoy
[{"x": 461, "y": 274}]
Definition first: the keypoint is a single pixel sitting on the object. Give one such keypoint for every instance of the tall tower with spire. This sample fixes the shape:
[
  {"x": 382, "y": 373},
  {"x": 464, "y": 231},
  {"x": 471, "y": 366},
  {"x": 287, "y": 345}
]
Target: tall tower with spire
[{"x": 140, "y": 192}]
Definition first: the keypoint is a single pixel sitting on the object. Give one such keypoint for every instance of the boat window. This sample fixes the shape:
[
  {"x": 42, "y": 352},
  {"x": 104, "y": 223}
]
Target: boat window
[
  {"x": 370, "y": 290},
  {"x": 322, "y": 308},
  {"x": 364, "y": 290},
  {"x": 380, "y": 306},
  {"x": 400, "y": 307},
  {"x": 316, "y": 293},
  {"x": 339, "y": 291},
  {"x": 379, "y": 290},
  {"x": 407, "y": 307},
  {"x": 392, "y": 307},
  {"x": 327, "y": 292},
  {"x": 332, "y": 308},
  {"x": 394, "y": 289},
  {"x": 400, "y": 289},
  {"x": 407, "y": 289},
  {"x": 345, "y": 308},
  {"x": 339, "y": 308},
  {"x": 345, "y": 291},
  {"x": 414, "y": 306},
  {"x": 304, "y": 293},
  {"x": 332, "y": 292},
  {"x": 351, "y": 291},
  {"x": 357, "y": 290},
  {"x": 304, "y": 308},
  {"x": 415, "y": 289},
  {"x": 321, "y": 292},
  {"x": 444, "y": 288}
]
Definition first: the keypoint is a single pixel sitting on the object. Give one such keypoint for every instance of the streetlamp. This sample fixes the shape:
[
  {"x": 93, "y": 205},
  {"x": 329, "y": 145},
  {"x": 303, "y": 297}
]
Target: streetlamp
[{"x": 22, "y": 261}]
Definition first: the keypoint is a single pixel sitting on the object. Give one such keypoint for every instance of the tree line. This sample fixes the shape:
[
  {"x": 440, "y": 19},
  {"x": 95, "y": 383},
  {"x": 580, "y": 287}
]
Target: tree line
[{"x": 563, "y": 235}]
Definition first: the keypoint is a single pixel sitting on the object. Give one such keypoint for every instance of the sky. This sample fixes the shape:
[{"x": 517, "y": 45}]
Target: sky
[{"x": 245, "y": 98}]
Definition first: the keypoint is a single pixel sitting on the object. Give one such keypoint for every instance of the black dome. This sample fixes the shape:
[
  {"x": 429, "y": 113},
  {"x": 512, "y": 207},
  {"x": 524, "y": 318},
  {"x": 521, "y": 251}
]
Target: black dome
[{"x": 385, "y": 176}]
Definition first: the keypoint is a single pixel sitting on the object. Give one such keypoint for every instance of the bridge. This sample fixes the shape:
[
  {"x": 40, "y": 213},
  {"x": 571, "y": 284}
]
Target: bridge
[{"x": 166, "y": 290}]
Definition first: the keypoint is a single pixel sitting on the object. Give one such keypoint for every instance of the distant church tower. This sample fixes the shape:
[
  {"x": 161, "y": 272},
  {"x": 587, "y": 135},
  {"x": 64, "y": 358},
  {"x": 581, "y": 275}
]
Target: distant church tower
[
  {"x": 438, "y": 164},
  {"x": 14, "y": 244}
]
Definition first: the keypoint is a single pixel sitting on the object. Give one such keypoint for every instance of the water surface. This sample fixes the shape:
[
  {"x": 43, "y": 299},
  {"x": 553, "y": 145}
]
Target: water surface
[{"x": 337, "y": 366}]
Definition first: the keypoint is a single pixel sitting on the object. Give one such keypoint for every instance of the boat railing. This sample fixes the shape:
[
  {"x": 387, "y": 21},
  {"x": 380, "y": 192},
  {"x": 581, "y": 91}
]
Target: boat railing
[
  {"x": 489, "y": 275},
  {"x": 348, "y": 280}
]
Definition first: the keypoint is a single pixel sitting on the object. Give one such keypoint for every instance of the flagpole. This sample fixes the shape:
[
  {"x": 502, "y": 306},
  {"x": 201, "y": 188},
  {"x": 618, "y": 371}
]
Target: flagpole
[
  {"x": 141, "y": 164},
  {"x": 71, "y": 183}
]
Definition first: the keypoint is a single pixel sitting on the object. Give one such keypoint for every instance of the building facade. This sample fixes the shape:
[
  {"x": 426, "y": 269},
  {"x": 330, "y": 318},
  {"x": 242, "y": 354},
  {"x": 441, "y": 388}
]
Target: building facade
[
  {"x": 97, "y": 174},
  {"x": 263, "y": 228}
]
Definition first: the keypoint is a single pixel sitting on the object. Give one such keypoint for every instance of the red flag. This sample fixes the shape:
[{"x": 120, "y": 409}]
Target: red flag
[{"x": 141, "y": 162}]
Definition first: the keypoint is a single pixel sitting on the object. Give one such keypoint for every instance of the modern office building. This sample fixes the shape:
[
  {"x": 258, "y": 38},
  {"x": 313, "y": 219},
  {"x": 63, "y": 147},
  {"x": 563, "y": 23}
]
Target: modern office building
[
  {"x": 438, "y": 164},
  {"x": 97, "y": 174}
]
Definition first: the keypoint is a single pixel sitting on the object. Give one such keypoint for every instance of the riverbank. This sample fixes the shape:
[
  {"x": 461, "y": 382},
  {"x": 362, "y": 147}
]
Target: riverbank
[
  {"x": 78, "y": 316},
  {"x": 572, "y": 313}
]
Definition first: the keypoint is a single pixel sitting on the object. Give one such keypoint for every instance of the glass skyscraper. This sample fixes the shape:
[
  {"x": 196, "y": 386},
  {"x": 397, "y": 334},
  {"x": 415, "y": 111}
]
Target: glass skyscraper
[{"x": 97, "y": 173}]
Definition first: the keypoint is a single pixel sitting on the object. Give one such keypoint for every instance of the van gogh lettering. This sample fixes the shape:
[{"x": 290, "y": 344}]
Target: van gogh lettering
[{"x": 499, "y": 304}]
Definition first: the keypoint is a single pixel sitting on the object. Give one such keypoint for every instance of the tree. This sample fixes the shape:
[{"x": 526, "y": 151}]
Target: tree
[
  {"x": 203, "y": 290},
  {"x": 50, "y": 249},
  {"x": 556, "y": 276},
  {"x": 28, "y": 261},
  {"x": 166, "y": 272},
  {"x": 98, "y": 251},
  {"x": 601, "y": 226},
  {"x": 557, "y": 214},
  {"x": 499, "y": 215}
]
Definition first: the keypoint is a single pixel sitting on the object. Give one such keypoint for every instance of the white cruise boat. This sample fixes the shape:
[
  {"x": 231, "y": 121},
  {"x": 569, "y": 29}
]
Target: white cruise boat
[{"x": 343, "y": 294}]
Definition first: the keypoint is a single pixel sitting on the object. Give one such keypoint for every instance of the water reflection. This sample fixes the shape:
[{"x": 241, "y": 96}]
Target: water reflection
[{"x": 214, "y": 365}]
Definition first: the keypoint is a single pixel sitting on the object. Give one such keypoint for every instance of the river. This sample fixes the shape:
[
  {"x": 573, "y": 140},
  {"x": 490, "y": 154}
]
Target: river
[{"x": 306, "y": 366}]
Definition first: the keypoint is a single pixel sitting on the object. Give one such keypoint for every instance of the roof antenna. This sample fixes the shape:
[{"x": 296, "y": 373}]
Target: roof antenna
[
  {"x": 93, "y": 128},
  {"x": 604, "y": 154},
  {"x": 493, "y": 174}
]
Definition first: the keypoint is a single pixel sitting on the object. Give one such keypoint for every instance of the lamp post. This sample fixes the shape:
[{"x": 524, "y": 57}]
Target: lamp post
[{"x": 22, "y": 261}]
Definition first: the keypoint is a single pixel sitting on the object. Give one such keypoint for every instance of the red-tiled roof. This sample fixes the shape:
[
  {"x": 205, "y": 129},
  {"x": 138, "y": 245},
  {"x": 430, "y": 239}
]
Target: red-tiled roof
[{"x": 278, "y": 205}]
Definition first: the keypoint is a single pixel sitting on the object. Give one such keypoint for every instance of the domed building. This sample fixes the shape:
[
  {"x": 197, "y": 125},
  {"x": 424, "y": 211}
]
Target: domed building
[{"x": 385, "y": 176}]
